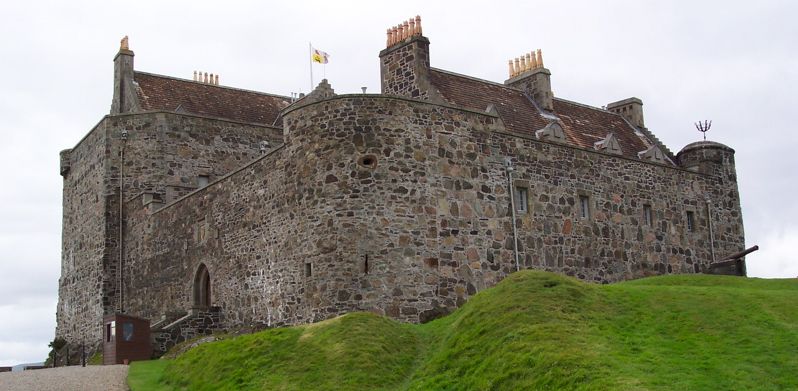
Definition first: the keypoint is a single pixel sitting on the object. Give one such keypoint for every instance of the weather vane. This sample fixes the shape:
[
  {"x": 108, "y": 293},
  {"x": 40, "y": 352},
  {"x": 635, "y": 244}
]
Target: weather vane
[{"x": 703, "y": 128}]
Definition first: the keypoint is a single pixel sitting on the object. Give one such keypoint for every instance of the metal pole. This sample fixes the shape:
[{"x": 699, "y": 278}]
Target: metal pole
[
  {"x": 509, "y": 166},
  {"x": 122, "y": 222},
  {"x": 310, "y": 63},
  {"x": 711, "y": 234}
]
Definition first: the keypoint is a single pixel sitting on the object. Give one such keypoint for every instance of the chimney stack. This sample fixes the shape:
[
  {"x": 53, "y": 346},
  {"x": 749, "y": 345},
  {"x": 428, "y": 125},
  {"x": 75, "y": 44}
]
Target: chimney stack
[
  {"x": 404, "y": 63},
  {"x": 124, "y": 99},
  {"x": 631, "y": 109},
  {"x": 528, "y": 74}
]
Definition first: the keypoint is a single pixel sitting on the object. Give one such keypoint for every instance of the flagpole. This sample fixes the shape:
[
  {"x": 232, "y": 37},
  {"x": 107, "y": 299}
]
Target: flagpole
[{"x": 310, "y": 62}]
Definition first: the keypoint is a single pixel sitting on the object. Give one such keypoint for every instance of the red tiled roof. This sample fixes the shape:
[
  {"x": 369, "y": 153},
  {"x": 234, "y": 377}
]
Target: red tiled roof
[
  {"x": 515, "y": 109},
  {"x": 157, "y": 92},
  {"x": 583, "y": 125}
]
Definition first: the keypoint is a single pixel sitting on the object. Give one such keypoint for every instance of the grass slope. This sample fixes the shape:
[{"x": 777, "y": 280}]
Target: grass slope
[{"x": 535, "y": 330}]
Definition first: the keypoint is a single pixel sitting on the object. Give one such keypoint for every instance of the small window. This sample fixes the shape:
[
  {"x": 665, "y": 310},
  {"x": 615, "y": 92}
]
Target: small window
[
  {"x": 521, "y": 195},
  {"x": 690, "y": 221},
  {"x": 308, "y": 270},
  {"x": 584, "y": 206},
  {"x": 127, "y": 331},
  {"x": 108, "y": 329},
  {"x": 647, "y": 215},
  {"x": 202, "y": 181}
]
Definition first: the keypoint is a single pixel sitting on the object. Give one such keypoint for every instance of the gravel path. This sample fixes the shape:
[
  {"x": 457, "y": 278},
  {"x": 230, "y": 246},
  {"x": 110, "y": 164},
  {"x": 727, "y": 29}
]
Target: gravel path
[{"x": 90, "y": 378}]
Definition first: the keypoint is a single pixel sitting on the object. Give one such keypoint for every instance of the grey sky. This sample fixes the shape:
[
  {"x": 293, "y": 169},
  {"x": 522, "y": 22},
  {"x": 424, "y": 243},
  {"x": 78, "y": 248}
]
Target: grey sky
[{"x": 732, "y": 62}]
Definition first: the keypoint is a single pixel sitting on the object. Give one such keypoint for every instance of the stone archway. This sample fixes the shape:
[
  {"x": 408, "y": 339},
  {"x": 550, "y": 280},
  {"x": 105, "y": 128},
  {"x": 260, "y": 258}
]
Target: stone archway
[{"x": 202, "y": 287}]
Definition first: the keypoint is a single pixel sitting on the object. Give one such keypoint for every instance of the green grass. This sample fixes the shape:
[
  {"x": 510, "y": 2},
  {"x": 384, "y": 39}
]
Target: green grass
[
  {"x": 533, "y": 331},
  {"x": 148, "y": 375}
]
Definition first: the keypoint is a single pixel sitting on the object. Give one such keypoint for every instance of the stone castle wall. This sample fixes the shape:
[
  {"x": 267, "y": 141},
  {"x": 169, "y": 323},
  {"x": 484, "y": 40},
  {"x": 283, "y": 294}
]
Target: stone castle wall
[
  {"x": 401, "y": 207},
  {"x": 80, "y": 294},
  {"x": 164, "y": 155}
]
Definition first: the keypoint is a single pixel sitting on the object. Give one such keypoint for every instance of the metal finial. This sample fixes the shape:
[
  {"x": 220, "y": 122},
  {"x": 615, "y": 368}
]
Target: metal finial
[{"x": 703, "y": 127}]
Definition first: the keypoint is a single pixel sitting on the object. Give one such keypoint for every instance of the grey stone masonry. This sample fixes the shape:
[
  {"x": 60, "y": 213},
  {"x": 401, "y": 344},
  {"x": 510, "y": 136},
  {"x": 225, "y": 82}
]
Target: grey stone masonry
[
  {"x": 631, "y": 109},
  {"x": 404, "y": 70},
  {"x": 164, "y": 156},
  {"x": 537, "y": 84},
  {"x": 401, "y": 207}
]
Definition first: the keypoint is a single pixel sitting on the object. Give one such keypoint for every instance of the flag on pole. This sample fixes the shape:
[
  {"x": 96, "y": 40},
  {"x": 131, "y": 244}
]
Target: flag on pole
[{"x": 320, "y": 57}]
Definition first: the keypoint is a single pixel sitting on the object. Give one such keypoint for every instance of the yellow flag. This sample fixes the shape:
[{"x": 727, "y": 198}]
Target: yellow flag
[{"x": 320, "y": 57}]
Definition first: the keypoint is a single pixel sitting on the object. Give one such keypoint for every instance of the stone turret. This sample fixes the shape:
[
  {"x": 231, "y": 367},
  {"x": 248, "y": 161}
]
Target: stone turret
[
  {"x": 124, "y": 100},
  {"x": 709, "y": 157}
]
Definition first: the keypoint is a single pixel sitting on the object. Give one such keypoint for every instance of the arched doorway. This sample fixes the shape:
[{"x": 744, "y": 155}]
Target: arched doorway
[{"x": 202, "y": 287}]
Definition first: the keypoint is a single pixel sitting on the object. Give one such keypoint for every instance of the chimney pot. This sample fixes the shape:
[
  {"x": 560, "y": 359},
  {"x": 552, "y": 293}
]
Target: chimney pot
[
  {"x": 523, "y": 64},
  {"x": 540, "y": 58},
  {"x": 206, "y": 77},
  {"x": 412, "y": 27},
  {"x": 406, "y": 29},
  {"x": 388, "y": 38},
  {"x": 216, "y": 81},
  {"x": 418, "y": 25},
  {"x": 123, "y": 44},
  {"x": 511, "y": 68}
]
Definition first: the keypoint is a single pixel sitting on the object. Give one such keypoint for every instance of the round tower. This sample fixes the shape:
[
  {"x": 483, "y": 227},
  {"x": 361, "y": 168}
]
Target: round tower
[{"x": 708, "y": 157}]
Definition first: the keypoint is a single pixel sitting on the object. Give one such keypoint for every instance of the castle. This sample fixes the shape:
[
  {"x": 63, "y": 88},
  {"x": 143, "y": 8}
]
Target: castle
[{"x": 200, "y": 206}]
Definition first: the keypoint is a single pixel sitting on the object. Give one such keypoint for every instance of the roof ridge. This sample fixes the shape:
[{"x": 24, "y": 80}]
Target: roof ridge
[
  {"x": 214, "y": 85},
  {"x": 476, "y": 79},
  {"x": 587, "y": 106}
]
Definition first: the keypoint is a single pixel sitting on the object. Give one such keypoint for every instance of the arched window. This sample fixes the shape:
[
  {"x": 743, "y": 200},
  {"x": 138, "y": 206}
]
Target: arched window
[{"x": 202, "y": 287}]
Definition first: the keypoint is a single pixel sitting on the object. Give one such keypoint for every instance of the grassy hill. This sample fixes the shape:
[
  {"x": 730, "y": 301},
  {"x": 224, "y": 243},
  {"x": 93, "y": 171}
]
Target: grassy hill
[{"x": 535, "y": 330}]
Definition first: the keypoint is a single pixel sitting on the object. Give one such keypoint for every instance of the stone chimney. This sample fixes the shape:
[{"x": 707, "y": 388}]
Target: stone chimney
[
  {"x": 527, "y": 73},
  {"x": 404, "y": 63},
  {"x": 125, "y": 99},
  {"x": 631, "y": 109}
]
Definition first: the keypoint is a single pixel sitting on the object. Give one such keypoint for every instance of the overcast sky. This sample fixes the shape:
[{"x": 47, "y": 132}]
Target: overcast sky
[{"x": 734, "y": 63}]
